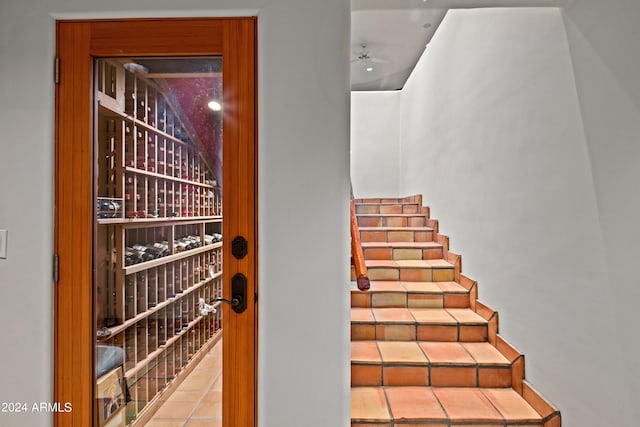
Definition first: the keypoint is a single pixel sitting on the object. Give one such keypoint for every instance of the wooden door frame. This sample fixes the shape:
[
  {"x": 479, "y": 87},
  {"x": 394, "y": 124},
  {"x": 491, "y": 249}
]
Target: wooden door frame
[{"x": 78, "y": 42}]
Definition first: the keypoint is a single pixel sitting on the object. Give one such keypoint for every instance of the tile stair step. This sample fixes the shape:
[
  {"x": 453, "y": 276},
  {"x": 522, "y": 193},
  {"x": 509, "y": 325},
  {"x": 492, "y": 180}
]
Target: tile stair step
[
  {"x": 396, "y": 208},
  {"x": 402, "y": 250},
  {"x": 441, "y": 407},
  {"x": 397, "y": 234},
  {"x": 391, "y": 220},
  {"x": 391, "y": 294},
  {"x": 418, "y": 324},
  {"x": 388, "y": 201},
  {"x": 428, "y": 363},
  {"x": 428, "y": 270}
]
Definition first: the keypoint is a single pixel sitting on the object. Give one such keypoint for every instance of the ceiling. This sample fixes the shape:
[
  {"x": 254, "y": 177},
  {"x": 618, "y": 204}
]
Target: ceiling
[{"x": 395, "y": 33}]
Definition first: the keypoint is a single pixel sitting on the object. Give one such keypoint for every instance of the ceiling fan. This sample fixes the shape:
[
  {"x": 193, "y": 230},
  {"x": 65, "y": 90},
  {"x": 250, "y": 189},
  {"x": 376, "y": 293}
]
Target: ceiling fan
[{"x": 365, "y": 57}]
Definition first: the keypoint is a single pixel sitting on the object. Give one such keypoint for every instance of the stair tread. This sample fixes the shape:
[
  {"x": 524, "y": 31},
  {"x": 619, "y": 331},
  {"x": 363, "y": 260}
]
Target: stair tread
[
  {"x": 409, "y": 245},
  {"x": 407, "y": 263},
  {"x": 411, "y": 287},
  {"x": 390, "y": 214},
  {"x": 424, "y": 403},
  {"x": 416, "y": 315},
  {"x": 389, "y": 201},
  {"x": 387, "y": 228},
  {"x": 426, "y": 353}
]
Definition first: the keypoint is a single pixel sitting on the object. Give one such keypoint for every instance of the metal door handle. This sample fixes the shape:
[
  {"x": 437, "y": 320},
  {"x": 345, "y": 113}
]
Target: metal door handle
[{"x": 238, "y": 300}]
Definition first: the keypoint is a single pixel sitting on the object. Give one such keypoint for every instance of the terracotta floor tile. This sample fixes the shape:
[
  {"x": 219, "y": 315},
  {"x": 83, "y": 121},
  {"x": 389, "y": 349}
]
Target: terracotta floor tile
[
  {"x": 389, "y": 299},
  {"x": 165, "y": 423},
  {"x": 367, "y": 209},
  {"x": 485, "y": 354},
  {"x": 396, "y": 352},
  {"x": 204, "y": 423},
  {"x": 360, "y": 299},
  {"x": 415, "y": 263},
  {"x": 425, "y": 287},
  {"x": 368, "y": 405},
  {"x": 361, "y": 315},
  {"x": 377, "y": 273},
  {"x": 397, "y": 375},
  {"x": 454, "y": 376},
  {"x": 451, "y": 287},
  {"x": 373, "y": 236},
  {"x": 365, "y": 352},
  {"x": 391, "y": 209},
  {"x": 465, "y": 315},
  {"x": 415, "y": 403},
  {"x": 425, "y": 301},
  {"x": 196, "y": 382},
  {"x": 407, "y": 254},
  {"x": 401, "y": 236},
  {"x": 425, "y": 263},
  {"x": 185, "y": 396},
  {"x": 175, "y": 410},
  {"x": 395, "y": 332},
  {"x": 217, "y": 385},
  {"x": 393, "y": 315},
  {"x": 366, "y": 375},
  {"x": 210, "y": 406},
  {"x": 386, "y": 286},
  {"x": 363, "y": 332},
  {"x": 416, "y": 274},
  {"x": 432, "y": 315},
  {"x": 456, "y": 300},
  {"x": 446, "y": 353},
  {"x": 511, "y": 405},
  {"x": 467, "y": 404},
  {"x": 378, "y": 253},
  {"x": 443, "y": 274},
  {"x": 473, "y": 333},
  {"x": 424, "y": 236},
  {"x": 494, "y": 376},
  {"x": 373, "y": 263}
]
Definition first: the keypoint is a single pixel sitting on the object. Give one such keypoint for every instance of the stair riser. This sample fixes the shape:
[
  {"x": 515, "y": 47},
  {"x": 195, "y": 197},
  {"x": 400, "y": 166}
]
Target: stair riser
[
  {"x": 411, "y": 274},
  {"x": 411, "y": 208},
  {"x": 375, "y": 375},
  {"x": 397, "y": 236},
  {"x": 392, "y": 221},
  {"x": 409, "y": 300},
  {"x": 419, "y": 332},
  {"x": 403, "y": 253},
  {"x": 407, "y": 200}
]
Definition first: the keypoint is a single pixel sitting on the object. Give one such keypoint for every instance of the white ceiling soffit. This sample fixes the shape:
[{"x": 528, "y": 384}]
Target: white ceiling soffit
[{"x": 389, "y": 36}]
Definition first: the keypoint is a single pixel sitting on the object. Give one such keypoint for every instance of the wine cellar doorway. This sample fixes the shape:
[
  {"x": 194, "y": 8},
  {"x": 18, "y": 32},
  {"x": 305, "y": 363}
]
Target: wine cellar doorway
[{"x": 155, "y": 215}]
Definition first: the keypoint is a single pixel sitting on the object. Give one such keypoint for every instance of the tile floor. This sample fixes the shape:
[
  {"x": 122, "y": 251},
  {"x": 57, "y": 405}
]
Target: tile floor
[{"x": 197, "y": 402}]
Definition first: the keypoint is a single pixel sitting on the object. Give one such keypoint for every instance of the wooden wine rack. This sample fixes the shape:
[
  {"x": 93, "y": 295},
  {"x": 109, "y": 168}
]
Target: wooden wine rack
[{"x": 154, "y": 185}]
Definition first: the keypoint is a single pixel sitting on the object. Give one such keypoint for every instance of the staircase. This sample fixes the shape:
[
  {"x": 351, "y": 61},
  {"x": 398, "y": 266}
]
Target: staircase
[{"x": 424, "y": 350}]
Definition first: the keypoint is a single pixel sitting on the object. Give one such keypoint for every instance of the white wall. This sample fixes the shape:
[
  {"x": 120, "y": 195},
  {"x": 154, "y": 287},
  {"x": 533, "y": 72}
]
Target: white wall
[
  {"x": 520, "y": 127},
  {"x": 375, "y": 135},
  {"x": 303, "y": 180}
]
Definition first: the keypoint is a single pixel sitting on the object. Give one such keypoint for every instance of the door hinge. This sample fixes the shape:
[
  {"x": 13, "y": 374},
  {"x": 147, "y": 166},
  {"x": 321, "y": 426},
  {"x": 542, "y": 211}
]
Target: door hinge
[
  {"x": 56, "y": 70},
  {"x": 56, "y": 268}
]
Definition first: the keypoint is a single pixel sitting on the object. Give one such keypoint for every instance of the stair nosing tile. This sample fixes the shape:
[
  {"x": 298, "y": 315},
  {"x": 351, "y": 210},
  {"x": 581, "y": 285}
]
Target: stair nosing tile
[{"x": 385, "y": 228}]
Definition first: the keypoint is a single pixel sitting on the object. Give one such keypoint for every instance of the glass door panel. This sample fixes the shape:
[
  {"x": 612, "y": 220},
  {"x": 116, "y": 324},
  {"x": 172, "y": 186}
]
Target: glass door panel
[{"x": 157, "y": 247}]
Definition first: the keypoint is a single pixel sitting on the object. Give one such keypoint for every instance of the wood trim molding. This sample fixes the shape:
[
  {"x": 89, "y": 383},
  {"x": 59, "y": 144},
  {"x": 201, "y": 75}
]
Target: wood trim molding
[{"x": 77, "y": 43}]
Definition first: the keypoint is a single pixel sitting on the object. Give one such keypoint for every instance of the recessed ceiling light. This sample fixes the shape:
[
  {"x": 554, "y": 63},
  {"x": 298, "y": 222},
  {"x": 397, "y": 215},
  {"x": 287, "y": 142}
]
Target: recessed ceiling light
[
  {"x": 214, "y": 105},
  {"x": 369, "y": 68}
]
